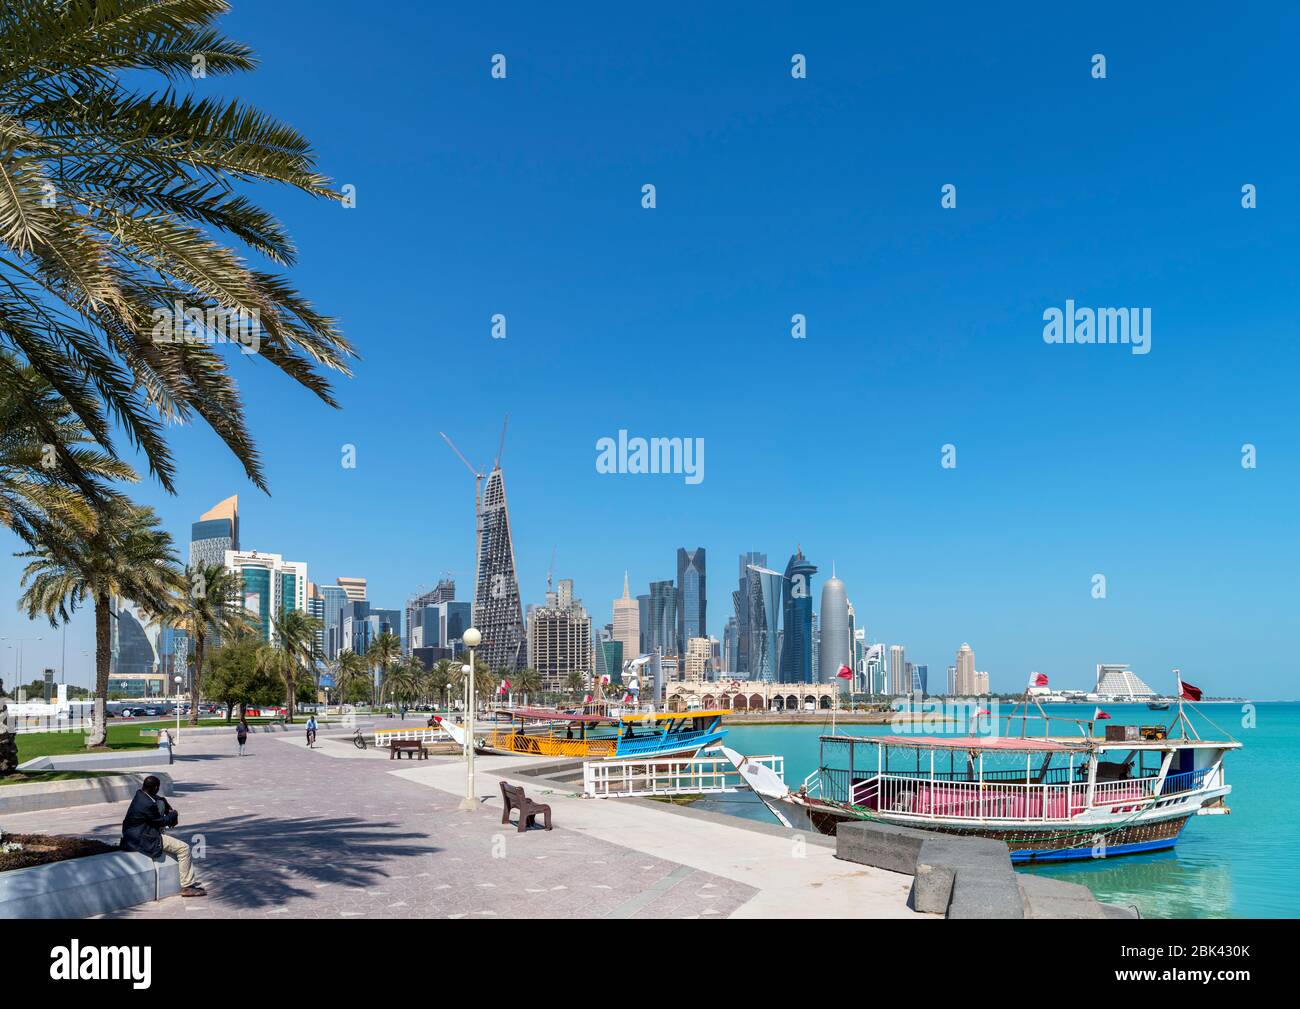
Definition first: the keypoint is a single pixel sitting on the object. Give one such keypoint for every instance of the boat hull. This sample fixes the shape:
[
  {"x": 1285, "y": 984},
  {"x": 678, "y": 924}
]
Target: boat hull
[{"x": 1027, "y": 842}]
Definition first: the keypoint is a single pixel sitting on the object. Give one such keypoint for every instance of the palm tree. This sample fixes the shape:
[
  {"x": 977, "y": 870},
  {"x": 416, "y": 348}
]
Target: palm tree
[
  {"x": 51, "y": 472},
  {"x": 207, "y": 608},
  {"x": 348, "y": 668},
  {"x": 441, "y": 677},
  {"x": 576, "y": 682},
  {"x": 127, "y": 556},
  {"x": 382, "y": 652},
  {"x": 525, "y": 681},
  {"x": 403, "y": 680},
  {"x": 125, "y": 221},
  {"x": 292, "y": 652}
]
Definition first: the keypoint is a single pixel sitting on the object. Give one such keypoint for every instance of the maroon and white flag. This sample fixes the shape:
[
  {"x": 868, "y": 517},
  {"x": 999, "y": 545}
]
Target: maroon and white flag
[
  {"x": 1038, "y": 679},
  {"x": 1098, "y": 715},
  {"x": 587, "y": 699},
  {"x": 845, "y": 673},
  {"x": 504, "y": 688},
  {"x": 1185, "y": 690}
]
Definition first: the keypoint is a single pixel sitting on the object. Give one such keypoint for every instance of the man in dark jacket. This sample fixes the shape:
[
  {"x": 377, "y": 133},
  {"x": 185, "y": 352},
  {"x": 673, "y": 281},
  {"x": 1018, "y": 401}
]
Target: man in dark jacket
[{"x": 142, "y": 830}]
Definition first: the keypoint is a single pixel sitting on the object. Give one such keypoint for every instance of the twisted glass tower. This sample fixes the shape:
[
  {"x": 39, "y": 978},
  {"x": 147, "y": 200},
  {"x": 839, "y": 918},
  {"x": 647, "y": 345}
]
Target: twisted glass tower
[{"x": 498, "y": 614}]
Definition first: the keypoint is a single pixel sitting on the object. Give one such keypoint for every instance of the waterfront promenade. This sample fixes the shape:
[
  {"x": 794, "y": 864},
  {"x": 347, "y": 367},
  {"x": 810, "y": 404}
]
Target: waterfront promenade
[{"x": 338, "y": 832}]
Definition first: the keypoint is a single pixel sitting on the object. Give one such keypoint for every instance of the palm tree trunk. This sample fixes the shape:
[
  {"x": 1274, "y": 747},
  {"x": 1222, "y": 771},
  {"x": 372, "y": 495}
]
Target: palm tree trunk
[
  {"x": 196, "y": 678},
  {"x": 99, "y": 725}
]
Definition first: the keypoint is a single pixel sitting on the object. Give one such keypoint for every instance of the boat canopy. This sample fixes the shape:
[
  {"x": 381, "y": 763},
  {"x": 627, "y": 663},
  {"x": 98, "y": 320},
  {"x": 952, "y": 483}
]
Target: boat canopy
[{"x": 554, "y": 715}]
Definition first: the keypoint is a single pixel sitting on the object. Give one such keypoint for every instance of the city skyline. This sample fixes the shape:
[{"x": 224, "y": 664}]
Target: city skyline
[{"x": 779, "y": 197}]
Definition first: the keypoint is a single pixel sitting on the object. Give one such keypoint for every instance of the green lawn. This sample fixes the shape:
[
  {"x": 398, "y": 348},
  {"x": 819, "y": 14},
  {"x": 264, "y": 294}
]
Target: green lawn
[
  {"x": 121, "y": 736},
  {"x": 32, "y": 777}
]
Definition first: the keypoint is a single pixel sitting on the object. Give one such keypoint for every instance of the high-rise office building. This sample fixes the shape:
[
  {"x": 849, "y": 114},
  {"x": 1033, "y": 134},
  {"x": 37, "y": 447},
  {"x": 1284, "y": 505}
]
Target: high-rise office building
[
  {"x": 965, "y": 670},
  {"x": 663, "y": 618},
  {"x": 692, "y": 604},
  {"x": 876, "y": 671},
  {"x": 729, "y": 635},
  {"x": 835, "y": 643},
  {"x": 765, "y": 592},
  {"x": 270, "y": 584},
  {"x": 899, "y": 683},
  {"x": 853, "y": 633},
  {"x": 920, "y": 679},
  {"x": 417, "y": 606},
  {"x": 216, "y": 531},
  {"x": 797, "y": 643},
  {"x": 333, "y": 599},
  {"x": 643, "y": 624},
  {"x": 952, "y": 681},
  {"x": 744, "y": 607},
  {"x": 498, "y": 612},
  {"x": 353, "y": 588},
  {"x": 559, "y": 639},
  {"x": 627, "y": 626}
]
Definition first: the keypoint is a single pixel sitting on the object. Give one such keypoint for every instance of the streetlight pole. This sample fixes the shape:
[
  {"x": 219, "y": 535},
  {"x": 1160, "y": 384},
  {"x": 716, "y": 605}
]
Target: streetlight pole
[
  {"x": 471, "y": 638},
  {"x": 176, "y": 699}
]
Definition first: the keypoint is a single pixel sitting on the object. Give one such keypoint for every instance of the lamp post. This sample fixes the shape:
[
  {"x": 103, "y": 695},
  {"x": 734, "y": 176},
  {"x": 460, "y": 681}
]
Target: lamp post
[
  {"x": 471, "y": 638},
  {"x": 176, "y": 697}
]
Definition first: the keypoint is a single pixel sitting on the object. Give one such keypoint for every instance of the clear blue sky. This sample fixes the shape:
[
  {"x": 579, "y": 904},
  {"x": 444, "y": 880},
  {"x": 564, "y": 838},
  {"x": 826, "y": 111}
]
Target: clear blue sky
[{"x": 817, "y": 196}]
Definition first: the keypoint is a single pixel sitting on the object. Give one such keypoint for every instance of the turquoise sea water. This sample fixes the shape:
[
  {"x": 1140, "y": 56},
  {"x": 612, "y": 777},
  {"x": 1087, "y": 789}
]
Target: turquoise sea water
[{"x": 1244, "y": 865}]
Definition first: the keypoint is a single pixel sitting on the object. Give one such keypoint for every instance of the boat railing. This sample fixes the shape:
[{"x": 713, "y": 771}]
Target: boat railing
[
  {"x": 608, "y": 779},
  {"x": 549, "y": 746},
  {"x": 990, "y": 799}
]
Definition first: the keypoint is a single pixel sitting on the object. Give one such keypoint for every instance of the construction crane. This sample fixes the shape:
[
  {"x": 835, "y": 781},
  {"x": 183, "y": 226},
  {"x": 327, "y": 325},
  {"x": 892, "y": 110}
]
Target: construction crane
[
  {"x": 550, "y": 572},
  {"x": 501, "y": 445}
]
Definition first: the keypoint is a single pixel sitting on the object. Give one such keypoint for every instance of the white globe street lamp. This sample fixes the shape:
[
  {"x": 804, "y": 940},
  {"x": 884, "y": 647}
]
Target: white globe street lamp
[{"x": 472, "y": 638}]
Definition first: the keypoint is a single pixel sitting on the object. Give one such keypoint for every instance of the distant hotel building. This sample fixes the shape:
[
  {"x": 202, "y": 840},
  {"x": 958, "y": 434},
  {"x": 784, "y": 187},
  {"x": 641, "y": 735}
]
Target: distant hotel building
[
  {"x": 692, "y": 603},
  {"x": 699, "y": 655},
  {"x": 1118, "y": 682},
  {"x": 216, "y": 531}
]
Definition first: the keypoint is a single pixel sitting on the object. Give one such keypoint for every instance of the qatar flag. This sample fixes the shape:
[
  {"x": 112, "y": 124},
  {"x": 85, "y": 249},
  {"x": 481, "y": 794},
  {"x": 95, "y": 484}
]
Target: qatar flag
[
  {"x": 1038, "y": 679},
  {"x": 845, "y": 673},
  {"x": 587, "y": 699},
  {"x": 504, "y": 688},
  {"x": 1188, "y": 692},
  {"x": 627, "y": 698},
  {"x": 1098, "y": 715}
]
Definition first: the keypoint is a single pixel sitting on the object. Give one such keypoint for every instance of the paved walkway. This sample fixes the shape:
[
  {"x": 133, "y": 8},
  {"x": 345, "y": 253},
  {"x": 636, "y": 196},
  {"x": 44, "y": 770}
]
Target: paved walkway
[{"x": 338, "y": 832}]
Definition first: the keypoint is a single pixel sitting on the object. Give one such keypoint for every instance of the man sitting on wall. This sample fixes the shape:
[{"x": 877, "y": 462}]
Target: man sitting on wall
[{"x": 142, "y": 830}]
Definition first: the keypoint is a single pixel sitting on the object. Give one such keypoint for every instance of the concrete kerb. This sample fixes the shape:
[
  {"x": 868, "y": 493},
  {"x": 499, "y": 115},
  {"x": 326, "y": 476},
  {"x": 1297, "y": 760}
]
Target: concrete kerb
[
  {"x": 81, "y": 887},
  {"x": 76, "y": 792}
]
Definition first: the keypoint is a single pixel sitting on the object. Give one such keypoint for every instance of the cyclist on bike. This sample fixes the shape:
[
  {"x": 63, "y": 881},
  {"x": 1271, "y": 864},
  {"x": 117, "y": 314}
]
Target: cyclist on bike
[{"x": 311, "y": 730}]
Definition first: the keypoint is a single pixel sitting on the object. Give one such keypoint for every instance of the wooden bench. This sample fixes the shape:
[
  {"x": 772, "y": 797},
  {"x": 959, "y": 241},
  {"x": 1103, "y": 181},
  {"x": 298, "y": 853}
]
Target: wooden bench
[
  {"x": 512, "y": 797},
  {"x": 396, "y": 747}
]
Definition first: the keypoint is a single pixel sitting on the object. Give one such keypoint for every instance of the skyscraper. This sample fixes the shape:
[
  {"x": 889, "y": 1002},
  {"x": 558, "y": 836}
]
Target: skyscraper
[
  {"x": 744, "y": 608},
  {"x": 333, "y": 599},
  {"x": 797, "y": 645},
  {"x": 898, "y": 679},
  {"x": 835, "y": 644},
  {"x": 498, "y": 613},
  {"x": 965, "y": 670},
  {"x": 663, "y": 618},
  {"x": 627, "y": 627},
  {"x": 216, "y": 531},
  {"x": 420, "y": 604},
  {"x": 643, "y": 626},
  {"x": 921, "y": 679},
  {"x": 692, "y": 604},
  {"x": 765, "y": 616}
]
